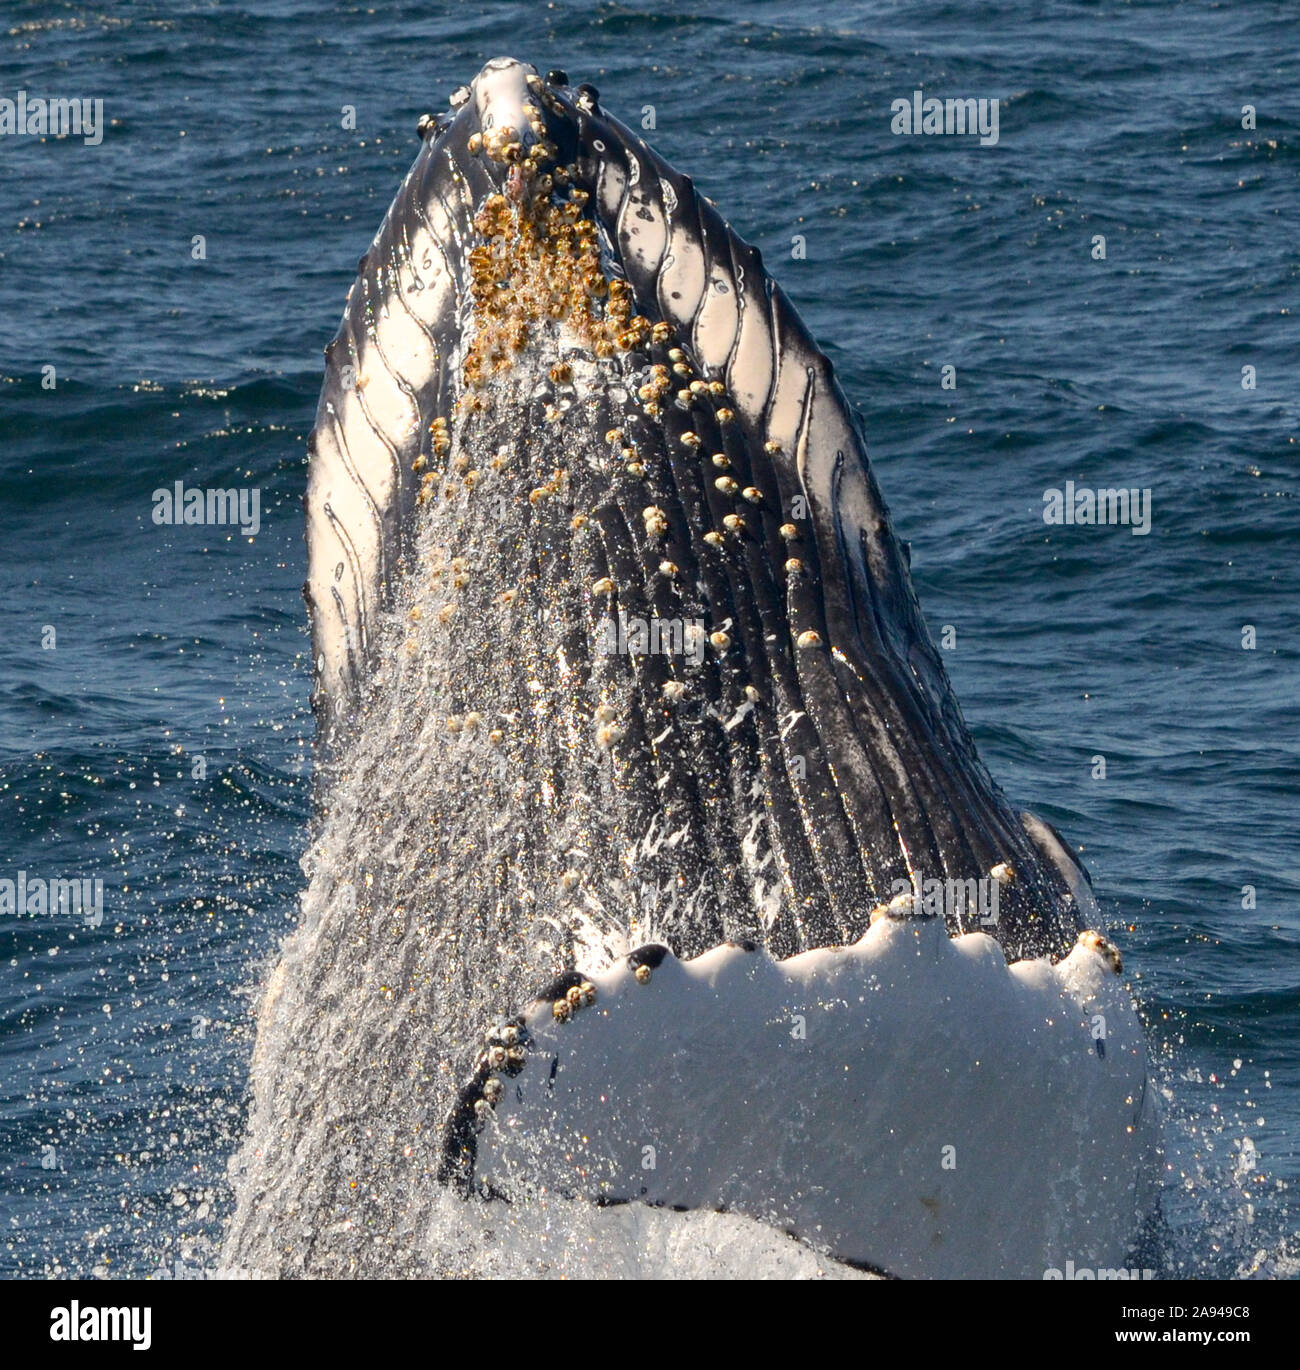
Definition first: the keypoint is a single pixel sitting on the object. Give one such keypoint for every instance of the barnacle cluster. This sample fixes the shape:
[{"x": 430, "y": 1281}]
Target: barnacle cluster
[{"x": 539, "y": 263}]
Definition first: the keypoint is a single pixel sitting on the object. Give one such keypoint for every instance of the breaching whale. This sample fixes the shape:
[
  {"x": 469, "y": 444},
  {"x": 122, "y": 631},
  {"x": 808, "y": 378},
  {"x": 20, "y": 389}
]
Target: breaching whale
[{"x": 654, "y": 860}]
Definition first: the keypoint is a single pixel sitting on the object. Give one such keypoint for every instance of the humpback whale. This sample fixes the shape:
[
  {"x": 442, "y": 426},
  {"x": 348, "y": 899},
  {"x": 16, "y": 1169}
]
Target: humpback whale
[{"x": 654, "y": 863}]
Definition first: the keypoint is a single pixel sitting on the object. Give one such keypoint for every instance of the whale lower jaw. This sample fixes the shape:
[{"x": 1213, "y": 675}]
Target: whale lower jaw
[{"x": 909, "y": 1103}]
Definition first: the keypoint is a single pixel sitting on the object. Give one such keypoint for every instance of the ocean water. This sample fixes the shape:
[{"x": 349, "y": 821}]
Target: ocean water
[{"x": 154, "y": 726}]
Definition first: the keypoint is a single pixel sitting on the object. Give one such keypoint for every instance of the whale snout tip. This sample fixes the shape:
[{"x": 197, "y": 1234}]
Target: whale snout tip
[
  {"x": 502, "y": 91},
  {"x": 505, "y": 63},
  {"x": 501, "y": 71}
]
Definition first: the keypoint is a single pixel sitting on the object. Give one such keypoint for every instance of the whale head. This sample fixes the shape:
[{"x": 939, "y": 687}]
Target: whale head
[{"x": 623, "y": 690}]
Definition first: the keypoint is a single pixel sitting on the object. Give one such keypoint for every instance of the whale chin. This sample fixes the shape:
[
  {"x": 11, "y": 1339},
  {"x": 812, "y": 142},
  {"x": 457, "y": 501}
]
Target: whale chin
[{"x": 683, "y": 881}]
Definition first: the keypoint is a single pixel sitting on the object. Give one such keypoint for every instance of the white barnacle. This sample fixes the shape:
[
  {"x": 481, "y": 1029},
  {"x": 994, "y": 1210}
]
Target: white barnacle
[
  {"x": 561, "y": 1010},
  {"x": 690, "y": 439},
  {"x": 713, "y": 538},
  {"x": 753, "y": 494},
  {"x": 733, "y": 523},
  {"x": 673, "y": 690},
  {"x": 722, "y": 461},
  {"x": 726, "y": 485},
  {"x": 1003, "y": 873},
  {"x": 793, "y": 566},
  {"x": 719, "y": 641},
  {"x": 668, "y": 569},
  {"x": 789, "y": 532},
  {"x": 809, "y": 638},
  {"x": 1107, "y": 950},
  {"x": 642, "y": 975},
  {"x": 603, "y": 586}
]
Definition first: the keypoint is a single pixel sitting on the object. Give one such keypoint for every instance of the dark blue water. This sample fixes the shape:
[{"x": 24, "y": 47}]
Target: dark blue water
[{"x": 124, "y": 1047}]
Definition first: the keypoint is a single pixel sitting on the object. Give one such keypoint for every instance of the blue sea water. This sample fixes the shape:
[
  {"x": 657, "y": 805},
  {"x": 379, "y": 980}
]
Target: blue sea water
[{"x": 162, "y": 742}]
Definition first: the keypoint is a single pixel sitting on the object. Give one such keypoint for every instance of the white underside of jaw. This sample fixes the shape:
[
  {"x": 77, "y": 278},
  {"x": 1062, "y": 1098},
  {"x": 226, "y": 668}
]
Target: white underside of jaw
[{"x": 910, "y": 1102}]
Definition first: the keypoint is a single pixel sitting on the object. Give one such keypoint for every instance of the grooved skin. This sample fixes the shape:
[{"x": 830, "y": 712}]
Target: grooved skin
[{"x": 853, "y": 770}]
